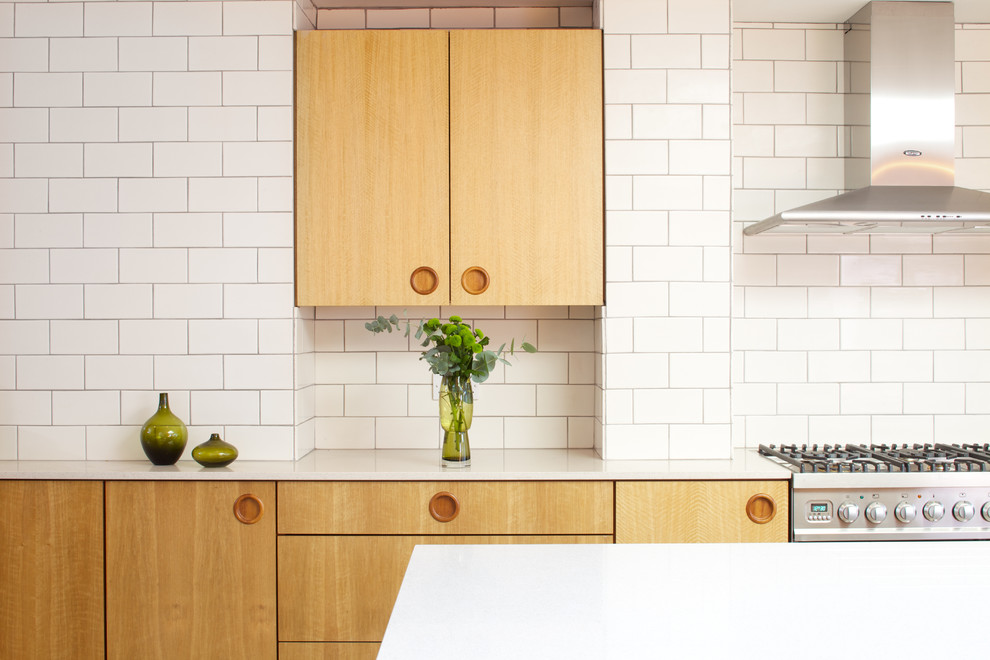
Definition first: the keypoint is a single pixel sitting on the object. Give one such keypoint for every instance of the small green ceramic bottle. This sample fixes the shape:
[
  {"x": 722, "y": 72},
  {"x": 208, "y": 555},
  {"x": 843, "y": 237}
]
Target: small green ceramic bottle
[
  {"x": 214, "y": 452},
  {"x": 163, "y": 436}
]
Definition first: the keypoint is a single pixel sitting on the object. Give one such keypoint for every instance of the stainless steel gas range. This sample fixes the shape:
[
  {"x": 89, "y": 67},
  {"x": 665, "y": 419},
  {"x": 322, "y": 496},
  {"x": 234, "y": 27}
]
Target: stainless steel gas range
[{"x": 887, "y": 492}]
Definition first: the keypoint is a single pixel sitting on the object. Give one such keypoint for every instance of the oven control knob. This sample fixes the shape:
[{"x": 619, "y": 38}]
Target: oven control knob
[
  {"x": 876, "y": 512},
  {"x": 905, "y": 512},
  {"x": 848, "y": 512},
  {"x": 933, "y": 510},
  {"x": 985, "y": 511},
  {"x": 963, "y": 511}
]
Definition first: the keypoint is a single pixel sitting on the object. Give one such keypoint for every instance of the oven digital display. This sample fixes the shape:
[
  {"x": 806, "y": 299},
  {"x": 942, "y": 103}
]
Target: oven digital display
[{"x": 819, "y": 508}]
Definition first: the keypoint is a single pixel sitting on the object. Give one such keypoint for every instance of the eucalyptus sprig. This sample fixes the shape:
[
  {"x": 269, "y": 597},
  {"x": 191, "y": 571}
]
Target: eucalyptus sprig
[{"x": 453, "y": 348}]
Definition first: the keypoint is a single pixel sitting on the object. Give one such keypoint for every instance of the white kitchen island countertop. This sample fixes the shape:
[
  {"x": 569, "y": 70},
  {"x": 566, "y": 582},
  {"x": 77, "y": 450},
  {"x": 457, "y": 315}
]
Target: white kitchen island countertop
[
  {"x": 790, "y": 600},
  {"x": 414, "y": 465}
]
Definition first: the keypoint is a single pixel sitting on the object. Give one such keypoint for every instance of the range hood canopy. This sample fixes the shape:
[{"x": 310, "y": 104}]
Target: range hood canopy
[{"x": 901, "y": 66}]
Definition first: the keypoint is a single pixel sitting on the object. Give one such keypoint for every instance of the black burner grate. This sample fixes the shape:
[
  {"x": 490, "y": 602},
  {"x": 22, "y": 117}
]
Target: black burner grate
[{"x": 882, "y": 458}]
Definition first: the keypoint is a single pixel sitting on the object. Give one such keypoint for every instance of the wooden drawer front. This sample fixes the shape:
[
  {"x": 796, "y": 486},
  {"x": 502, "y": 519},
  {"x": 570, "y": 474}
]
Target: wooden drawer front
[
  {"x": 342, "y": 588},
  {"x": 697, "y": 512},
  {"x": 491, "y": 507},
  {"x": 328, "y": 650}
]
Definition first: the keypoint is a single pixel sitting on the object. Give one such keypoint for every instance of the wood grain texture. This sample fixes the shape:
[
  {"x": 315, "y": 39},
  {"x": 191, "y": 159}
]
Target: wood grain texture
[
  {"x": 51, "y": 569},
  {"x": 697, "y": 512},
  {"x": 328, "y": 650},
  {"x": 185, "y": 578},
  {"x": 342, "y": 588},
  {"x": 489, "y": 507},
  {"x": 526, "y": 165},
  {"x": 371, "y": 166}
]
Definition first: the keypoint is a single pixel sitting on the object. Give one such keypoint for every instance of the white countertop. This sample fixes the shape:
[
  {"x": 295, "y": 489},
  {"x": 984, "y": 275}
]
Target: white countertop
[
  {"x": 852, "y": 600},
  {"x": 414, "y": 465}
]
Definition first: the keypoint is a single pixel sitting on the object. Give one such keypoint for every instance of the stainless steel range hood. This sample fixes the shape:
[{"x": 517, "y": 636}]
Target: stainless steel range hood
[{"x": 900, "y": 65}]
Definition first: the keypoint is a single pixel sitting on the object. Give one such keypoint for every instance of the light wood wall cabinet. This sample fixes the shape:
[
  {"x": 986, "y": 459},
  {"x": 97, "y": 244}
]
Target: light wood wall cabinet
[
  {"x": 349, "y": 542},
  {"x": 51, "y": 569},
  {"x": 461, "y": 167},
  {"x": 190, "y": 569},
  {"x": 701, "y": 511}
]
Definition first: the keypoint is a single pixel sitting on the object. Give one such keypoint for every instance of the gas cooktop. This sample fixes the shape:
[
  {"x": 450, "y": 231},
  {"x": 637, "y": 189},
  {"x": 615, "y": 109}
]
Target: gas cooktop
[{"x": 848, "y": 492}]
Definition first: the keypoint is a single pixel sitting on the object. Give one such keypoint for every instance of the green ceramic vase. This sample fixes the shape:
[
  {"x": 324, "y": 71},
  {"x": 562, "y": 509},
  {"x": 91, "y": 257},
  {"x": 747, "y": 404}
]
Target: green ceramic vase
[
  {"x": 214, "y": 452},
  {"x": 456, "y": 411},
  {"x": 163, "y": 436}
]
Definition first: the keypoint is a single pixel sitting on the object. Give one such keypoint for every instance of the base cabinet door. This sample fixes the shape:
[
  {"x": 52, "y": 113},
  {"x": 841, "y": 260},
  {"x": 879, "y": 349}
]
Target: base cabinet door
[
  {"x": 328, "y": 650},
  {"x": 342, "y": 588},
  {"x": 190, "y": 570},
  {"x": 701, "y": 511},
  {"x": 51, "y": 569}
]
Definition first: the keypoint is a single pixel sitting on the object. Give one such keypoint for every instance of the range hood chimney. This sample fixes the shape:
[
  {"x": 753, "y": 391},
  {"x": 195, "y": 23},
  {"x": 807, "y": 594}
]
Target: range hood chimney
[{"x": 907, "y": 52}]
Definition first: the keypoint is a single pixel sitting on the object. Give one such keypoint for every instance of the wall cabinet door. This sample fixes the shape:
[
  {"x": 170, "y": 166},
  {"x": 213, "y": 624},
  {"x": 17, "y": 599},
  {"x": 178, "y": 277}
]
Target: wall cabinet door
[
  {"x": 51, "y": 569},
  {"x": 371, "y": 167},
  {"x": 493, "y": 196},
  {"x": 190, "y": 569},
  {"x": 701, "y": 511},
  {"x": 526, "y": 167}
]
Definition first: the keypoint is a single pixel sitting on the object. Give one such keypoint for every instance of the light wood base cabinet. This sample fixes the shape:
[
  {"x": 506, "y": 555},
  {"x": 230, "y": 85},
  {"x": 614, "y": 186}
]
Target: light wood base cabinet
[
  {"x": 328, "y": 650},
  {"x": 701, "y": 511},
  {"x": 190, "y": 570},
  {"x": 51, "y": 569},
  {"x": 343, "y": 547}
]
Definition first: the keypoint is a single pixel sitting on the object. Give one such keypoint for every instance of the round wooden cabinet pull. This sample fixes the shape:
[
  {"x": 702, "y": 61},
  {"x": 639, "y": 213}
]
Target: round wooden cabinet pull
[
  {"x": 444, "y": 507},
  {"x": 475, "y": 280},
  {"x": 249, "y": 509},
  {"x": 761, "y": 508},
  {"x": 424, "y": 280}
]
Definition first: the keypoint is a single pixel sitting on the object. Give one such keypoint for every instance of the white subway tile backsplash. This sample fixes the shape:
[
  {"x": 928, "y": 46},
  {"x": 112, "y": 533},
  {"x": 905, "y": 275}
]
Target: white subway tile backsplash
[
  {"x": 666, "y": 51},
  {"x": 223, "y": 194},
  {"x": 257, "y": 372},
  {"x": 525, "y": 17},
  {"x": 113, "y": 443},
  {"x": 153, "y": 265},
  {"x": 84, "y": 407},
  {"x": 24, "y": 55},
  {"x": 47, "y": 230},
  {"x": 632, "y": 86},
  {"x": 809, "y": 399},
  {"x": 259, "y": 301},
  {"x": 24, "y": 124},
  {"x": 257, "y": 88},
  {"x": 222, "y": 336},
  {"x": 48, "y": 372},
  {"x": 188, "y": 372},
  {"x": 152, "y": 195},
  {"x": 275, "y": 194},
  {"x": 48, "y": 90},
  {"x": 48, "y": 301},
  {"x": 656, "y": 121},
  {"x": 83, "y": 124},
  {"x": 112, "y": 19},
  {"x": 192, "y": 18},
  {"x": 83, "y": 266},
  {"x": 188, "y": 229},
  {"x": 462, "y": 17},
  {"x": 24, "y": 196},
  {"x": 118, "y": 301},
  {"x": 257, "y": 159},
  {"x": 153, "y": 53},
  {"x": 934, "y": 398},
  {"x": 257, "y": 17},
  {"x": 185, "y": 88},
  {"x": 7, "y": 19},
  {"x": 275, "y": 53},
  {"x": 119, "y": 372},
  {"x": 188, "y": 301},
  {"x": 223, "y": 124},
  {"x": 668, "y": 406}
]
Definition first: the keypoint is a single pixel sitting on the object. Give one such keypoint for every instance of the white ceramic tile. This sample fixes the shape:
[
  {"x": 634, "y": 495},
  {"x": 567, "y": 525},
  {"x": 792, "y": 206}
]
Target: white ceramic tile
[
  {"x": 222, "y": 124},
  {"x": 188, "y": 372},
  {"x": 24, "y": 196},
  {"x": 345, "y": 433},
  {"x": 24, "y": 55},
  {"x": 637, "y": 299},
  {"x": 668, "y": 406},
  {"x": 637, "y": 441},
  {"x": 808, "y": 141},
  {"x": 933, "y": 270},
  {"x": 407, "y": 433},
  {"x": 48, "y": 372},
  {"x": 535, "y": 432},
  {"x": 805, "y": 77},
  {"x": 153, "y": 53},
  {"x": 774, "y": 172},
  {"x": 341, "y": 19},
  {"x": 193, "y": 18},
  {"x": 25, "y": 407},
  {"x": 375, "y": 400},
  {"x": 961, "y": 301},
  {"x": 666, "y": 51},
  {"x": 85, "y": 195},
  {"x": 509, "y": 399},
  {"x": 681, "y": 193},
  {"x": 808, "y": 399},
  {"x": 773, "y": 44},
  {"x": 699, "y": 157},
  {"x": 48, "y": 301},
  {"x": 631, "y": 86},
  {"x": 47, "y": 90},
  {"x": 901, "y": 302},
  {"x": 872, "y": 334},
  {"x": 667, "y": 264},
  {"x": 581, "y": 368},
  {"x": 153, "y": 265},
  {"x": 24, "y": 337},
  {"x": 7, "y": 19},
  {"x": 113, "y": 443},
  {"x": 152, "y": 195},
  {"x": 112, "y": 160},
  {"x": 223, "y": 336},
  {"x": 525, "y": 17},
  {"x": 223, "y": 194},
  {"x": 699, "y": 299},
  {"x": 634, "y": 16},
  {"x": 698, "y": 86},
  {"x": 275, "y": 193},
  {"x": 257, "y": 88},
  {"x": 807, "y": 334},
  {"x": 397, "y": 18},
  {"x": 779, "y": 108},
  {"x": 225, "y": 407},
  {"x": 345, "y": 368},
  {"x": 689, "y": 370},
  {"x": 46, "y": 443},
  {"x": 961, "y": 366},
  {"x": 934, "y": 398},
  {"x": 118, "y": 19},
  {"x": 827, "y": 302},
  {"x": 576, "y": 17},
  {"x": 112, "y": 89},
  {"x": 115, "y": 372},
  {"x": 188, "y": 229},
  {"x": 274, "y": 123},
  {"x": 636, "y": 228},
  {"x": 188, "y": 301},
  {"x": 635, "y": 157},
  {"x": 83, "y": 54},
  {"x": 944, "y": 334},
  {"x": 223, "y": 53},
  {"x": 257, "y": 158},
  {"x": 401, "y": 368},
  {"x": 276, "y": 265},
  {"x": 462, "y": 17},
  {"x": 187, "y": 88},
  {"x": 275, "y": 336},
  {"x": 262, "y": 443},
  {"x": 838, "y": 366},
  {"x": 564, "y": 400},
  {"x": 83, "y": 266},
  {"x": 152, "y": 337},
  {"x": 70, "y": 408},
  {"x": 902, "y": 366},
  {"x": 655, "y": 121},
  {"x": 48, "y": 20},
  {"x": 775, "y": 367},
  {"x": 24, "y": 266},
  {"x": 118, "y": 301},
  {"x": 153, "y": 124},
  {"x": 223, "y": 265},
  {"x": 275, "y": 53},
  {"x": 257, "y": 17},
  {"x": 82, "y": 125},
  {"x": 260, "y": 301}
]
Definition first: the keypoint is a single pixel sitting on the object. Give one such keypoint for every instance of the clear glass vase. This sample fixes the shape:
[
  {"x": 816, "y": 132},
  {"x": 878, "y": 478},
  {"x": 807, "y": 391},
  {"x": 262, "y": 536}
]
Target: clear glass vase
[{"x": 456, "y": 409}]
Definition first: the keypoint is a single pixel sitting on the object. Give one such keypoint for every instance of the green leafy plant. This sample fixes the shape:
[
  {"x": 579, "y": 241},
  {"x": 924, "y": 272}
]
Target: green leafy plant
[{"x": 453, "y": 348}]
